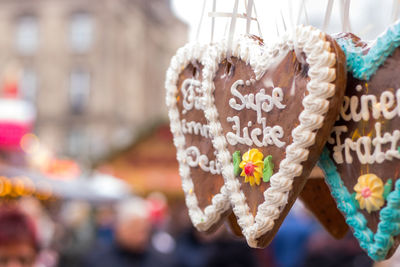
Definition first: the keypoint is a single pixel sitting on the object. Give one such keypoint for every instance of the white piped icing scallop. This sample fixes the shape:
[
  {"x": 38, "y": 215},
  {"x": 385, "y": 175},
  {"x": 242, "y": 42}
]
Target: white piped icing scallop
[
  {"x": 320, "y": 87},
  {"x": 203, "y": 221}
]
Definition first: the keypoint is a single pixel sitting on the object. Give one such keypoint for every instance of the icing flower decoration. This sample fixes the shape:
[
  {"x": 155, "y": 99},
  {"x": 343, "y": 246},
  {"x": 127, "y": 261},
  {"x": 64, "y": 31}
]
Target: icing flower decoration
[
  {"x": 252, "y": 166},
  {"x": 369, "y": 192},
  {"x": 236, "y": 162},
  {"x": 268, "y": 169}
]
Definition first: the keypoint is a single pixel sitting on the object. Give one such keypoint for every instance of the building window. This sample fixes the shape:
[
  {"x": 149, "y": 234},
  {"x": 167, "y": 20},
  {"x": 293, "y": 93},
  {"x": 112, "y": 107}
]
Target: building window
[
  {"x": 81, "y": 32},
  {"x": 76, "y": 142},
  {"x": 28, "y": 85},
  {"x": 79, "y": 88},
  {"x": 27, "y": 34}
]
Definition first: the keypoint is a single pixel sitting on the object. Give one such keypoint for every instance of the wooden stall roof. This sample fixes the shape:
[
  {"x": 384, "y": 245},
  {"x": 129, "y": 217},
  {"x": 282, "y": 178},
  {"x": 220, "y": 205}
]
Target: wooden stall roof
[{"x": 149, "y": 164}]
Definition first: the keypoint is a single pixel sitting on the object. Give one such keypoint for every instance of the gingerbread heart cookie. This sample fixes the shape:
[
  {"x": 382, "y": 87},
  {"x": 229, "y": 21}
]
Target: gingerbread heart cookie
[
  {"x": 270, "y": 111},
  {"x": 362, "y": 159},
  {"x": 202, "y": 183}
]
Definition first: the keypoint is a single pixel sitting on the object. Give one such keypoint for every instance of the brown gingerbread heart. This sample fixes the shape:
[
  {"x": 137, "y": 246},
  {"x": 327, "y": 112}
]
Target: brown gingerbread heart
[
  {"x": 362, "y": 160},
  {"x": 202, "y": 183},
  {"x": 317, "y": 199},
  {"x": 270, "y": 111}
]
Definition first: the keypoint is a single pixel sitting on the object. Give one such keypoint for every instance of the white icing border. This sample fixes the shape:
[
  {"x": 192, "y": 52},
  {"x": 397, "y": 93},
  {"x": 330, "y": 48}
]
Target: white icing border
[
  {"x": 321, "y": 73},
  {"x": 203, "y": 221}
]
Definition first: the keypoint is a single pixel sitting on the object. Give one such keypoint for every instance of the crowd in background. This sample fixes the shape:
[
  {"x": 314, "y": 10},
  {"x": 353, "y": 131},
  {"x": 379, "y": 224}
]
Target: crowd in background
[{"x": 148, "y": 232}]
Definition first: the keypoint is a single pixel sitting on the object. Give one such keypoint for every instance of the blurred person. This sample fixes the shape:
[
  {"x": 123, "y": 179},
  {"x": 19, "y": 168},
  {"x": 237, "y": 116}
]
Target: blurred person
[
  {"x": 131, "y": 246},
  {"x": 230, "y": 252},
  {"x": 45, "y": 225},
  {"x": 217, "y": 249},
  {"x": 104, "y": 219},
  {"x": 324, "y": 250},
  {"x": 133, "y": 225},
  {"x": 19, "y": 245},
  {"x": 158, "y": 209},
  {"x": 289, "y": 246},
  {"x": 77, "y": 232},
  {"x": 48, "y": 256}
]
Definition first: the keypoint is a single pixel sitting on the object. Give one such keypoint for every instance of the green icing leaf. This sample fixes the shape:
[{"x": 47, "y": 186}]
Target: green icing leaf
[
  {"x": 398, "y": 149},
  {"x": 353, "y": 197},
  {"x": 268, "y": 169},
  {"x": 236, "y": 161},
  {"x": 387, "y": 188}
]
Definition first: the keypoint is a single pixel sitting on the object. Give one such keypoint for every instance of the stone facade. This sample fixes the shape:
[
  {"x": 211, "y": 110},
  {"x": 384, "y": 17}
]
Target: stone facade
[{"x": 95, "y": 69}]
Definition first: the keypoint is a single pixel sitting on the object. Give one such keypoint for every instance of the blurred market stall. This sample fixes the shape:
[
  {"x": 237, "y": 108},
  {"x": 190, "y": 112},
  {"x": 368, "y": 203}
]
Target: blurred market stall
[
  {"x": 149, "y": 164},
  {"x": 18, "y": 182}
]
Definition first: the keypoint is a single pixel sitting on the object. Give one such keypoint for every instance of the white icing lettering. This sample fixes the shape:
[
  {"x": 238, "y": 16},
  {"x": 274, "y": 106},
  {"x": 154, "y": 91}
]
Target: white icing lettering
[
  {"x": 363, "y": 146},
  {"x": 193, "y": 127},
  {"x": 196, "y": 159},
  {"x": 192, "y": 95},
  {"x": 270, "y": 135},
  {"x": 387, "y": 101},
  {"x": 353, "y": 109},
  {"x": 368, "y": 150},
  {"x": 385, "y": 108},
  {"x": 337, "y": 149},
  {"x": 258, "y": 102},
  {"x": 345, "y": 107}
]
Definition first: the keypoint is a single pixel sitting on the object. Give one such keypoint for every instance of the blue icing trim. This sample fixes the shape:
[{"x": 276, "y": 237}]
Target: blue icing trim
[
  {"x": 377, "y": 245},
  {"x": 364, "y": 66}
]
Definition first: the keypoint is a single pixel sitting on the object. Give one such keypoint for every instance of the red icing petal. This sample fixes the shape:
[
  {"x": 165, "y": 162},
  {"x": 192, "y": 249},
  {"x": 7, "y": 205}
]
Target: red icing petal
[
  {"x": 249, "y": 169},
  {"x": 366, "y": 192}
]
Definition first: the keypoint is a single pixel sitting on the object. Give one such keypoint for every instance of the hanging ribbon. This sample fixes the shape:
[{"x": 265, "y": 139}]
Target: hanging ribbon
[
  {"x": 291, "y": 21},
  {"x": 232, "y": 27},
  {"x": 283, "y": 22},
  {"x": 345, "y": 15},
  {"x": 201, "y": 20},
  {"x": 248, "y": 13},
  {"x": 395, "y": 10},
  {"x": 249, "y": 7},
  {"x": 294, "y": 34},
  {"x": 328, "y": 13},
  {"x": 229, "y": 15},
  {"x": 302, "y": 10},
  {"x": 256, "y": 19},
  {"x": 214, "y": 6}
]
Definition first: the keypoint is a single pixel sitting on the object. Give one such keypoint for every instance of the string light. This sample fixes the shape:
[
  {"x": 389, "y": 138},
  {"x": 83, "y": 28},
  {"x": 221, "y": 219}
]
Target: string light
[
  {"x": 30, "y": 143},
  {"x": 23, "y": 186}
]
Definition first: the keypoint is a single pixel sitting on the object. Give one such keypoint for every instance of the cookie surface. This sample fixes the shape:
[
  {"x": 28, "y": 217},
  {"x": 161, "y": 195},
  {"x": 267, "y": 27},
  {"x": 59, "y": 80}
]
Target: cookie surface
[
  {"x": 270, "y": 111},
  {"x": 317, "y": 198},
  {"x": 362, "y": 160},
  {"x": 202, "y": 183}
]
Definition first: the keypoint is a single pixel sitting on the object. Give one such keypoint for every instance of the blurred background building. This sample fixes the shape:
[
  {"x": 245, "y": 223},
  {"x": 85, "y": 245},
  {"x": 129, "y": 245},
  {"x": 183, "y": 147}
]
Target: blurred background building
[{"x": 94, "y": 69}]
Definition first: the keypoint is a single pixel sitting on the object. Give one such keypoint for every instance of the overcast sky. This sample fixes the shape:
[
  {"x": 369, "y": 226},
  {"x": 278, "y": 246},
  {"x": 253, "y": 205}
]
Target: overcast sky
[{"x": 368, "y": 18}]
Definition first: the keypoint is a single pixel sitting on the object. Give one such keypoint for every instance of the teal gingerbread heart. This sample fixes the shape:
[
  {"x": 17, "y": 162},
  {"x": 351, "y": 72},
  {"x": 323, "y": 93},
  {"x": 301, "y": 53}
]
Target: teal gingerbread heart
[{"x": 362, "y": 158}]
